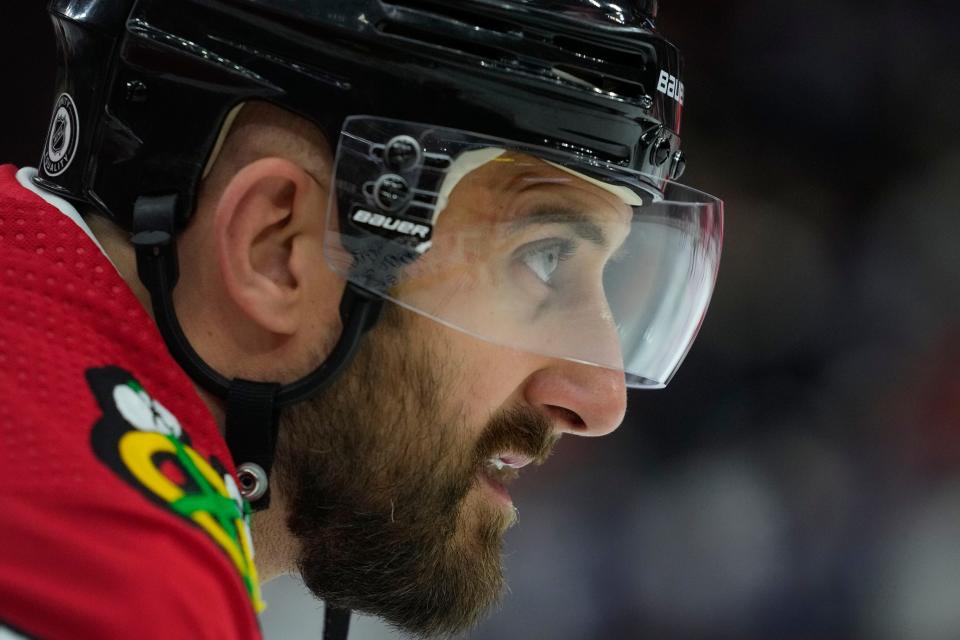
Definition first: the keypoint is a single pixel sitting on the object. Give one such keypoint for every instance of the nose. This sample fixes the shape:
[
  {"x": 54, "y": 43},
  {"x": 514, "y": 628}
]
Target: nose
[{"x": 580, "y": 399}]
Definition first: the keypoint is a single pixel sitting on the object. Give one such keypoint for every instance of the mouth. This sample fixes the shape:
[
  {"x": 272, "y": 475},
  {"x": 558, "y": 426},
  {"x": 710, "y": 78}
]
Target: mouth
[{"x": 500, "y": 470}]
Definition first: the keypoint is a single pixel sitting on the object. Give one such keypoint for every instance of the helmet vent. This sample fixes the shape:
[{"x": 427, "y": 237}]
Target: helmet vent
[
  {"x": 449, "y": 11},
  {"x": 597, "y": 53},
  {"x": 436, "y": 39},
  {"x": 609, "y": 85},
  {"x": 612, "y": 67}
]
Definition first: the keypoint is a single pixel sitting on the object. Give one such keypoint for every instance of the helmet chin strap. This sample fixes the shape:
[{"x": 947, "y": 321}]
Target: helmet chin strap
[{"x": 251, "y": 407}]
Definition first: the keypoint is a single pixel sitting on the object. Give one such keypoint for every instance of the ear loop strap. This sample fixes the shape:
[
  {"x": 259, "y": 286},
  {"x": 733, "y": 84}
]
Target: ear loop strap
[
  {"x": 252, "y": 407},
  {"x": 251, "y": 434}
]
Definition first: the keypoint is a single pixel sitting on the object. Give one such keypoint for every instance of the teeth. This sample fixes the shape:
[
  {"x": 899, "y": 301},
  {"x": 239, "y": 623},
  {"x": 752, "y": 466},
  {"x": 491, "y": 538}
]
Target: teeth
[{"x": 510, "y": 460}]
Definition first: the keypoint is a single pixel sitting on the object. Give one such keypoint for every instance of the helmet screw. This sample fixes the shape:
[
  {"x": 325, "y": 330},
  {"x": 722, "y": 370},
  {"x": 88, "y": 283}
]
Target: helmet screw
[
  {"x": 135, "y": 91},
  {"x": 253, "y": 481},
  {"x": 391, "y": 192},
  {"x": 679, "y": 165},
  {"x": 402, "y": 153},
  {"x": 660, "y": 151}
]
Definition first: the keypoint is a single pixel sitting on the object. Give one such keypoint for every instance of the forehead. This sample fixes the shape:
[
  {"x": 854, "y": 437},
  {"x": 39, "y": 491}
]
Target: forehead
[{"x": 511, "y": 184}]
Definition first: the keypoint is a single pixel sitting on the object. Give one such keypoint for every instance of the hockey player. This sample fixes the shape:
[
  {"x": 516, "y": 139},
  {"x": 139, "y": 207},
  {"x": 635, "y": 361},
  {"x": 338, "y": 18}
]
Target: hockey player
[{"x": 346, "y": 267}]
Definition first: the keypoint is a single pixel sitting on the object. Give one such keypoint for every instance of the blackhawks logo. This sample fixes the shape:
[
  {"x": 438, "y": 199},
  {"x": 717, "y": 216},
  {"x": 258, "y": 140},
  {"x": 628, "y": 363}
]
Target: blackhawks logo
[{"x": 145, "y": 445}]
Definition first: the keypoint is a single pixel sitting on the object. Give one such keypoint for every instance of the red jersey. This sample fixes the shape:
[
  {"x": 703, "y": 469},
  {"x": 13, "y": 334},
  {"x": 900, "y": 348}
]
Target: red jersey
[{"x": 119, "y": 511}]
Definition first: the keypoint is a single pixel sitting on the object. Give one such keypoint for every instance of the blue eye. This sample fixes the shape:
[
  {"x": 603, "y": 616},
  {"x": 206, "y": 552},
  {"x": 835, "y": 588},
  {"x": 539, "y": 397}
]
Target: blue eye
[{"x": 543, "y": 258}]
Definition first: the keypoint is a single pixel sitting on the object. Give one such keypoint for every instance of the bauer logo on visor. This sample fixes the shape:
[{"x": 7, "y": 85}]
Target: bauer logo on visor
[{"x": 388, "y": 223}]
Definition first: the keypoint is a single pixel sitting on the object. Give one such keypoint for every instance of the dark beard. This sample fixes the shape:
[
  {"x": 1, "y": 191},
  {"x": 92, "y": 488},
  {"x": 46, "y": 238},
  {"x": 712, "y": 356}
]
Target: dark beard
[{"x": 376, "y": 475}]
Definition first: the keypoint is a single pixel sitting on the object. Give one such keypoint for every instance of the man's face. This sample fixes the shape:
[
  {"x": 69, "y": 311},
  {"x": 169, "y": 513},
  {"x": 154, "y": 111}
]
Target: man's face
[{"x": 388, "y": 477}]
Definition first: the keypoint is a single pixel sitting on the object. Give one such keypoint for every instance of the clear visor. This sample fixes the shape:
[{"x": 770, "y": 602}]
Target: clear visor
[{"x": 525, "y": 247}]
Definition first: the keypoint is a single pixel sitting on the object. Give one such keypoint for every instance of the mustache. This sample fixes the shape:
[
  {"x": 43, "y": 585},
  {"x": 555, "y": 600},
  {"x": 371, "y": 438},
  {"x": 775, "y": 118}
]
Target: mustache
[{"x": 520, "y": 430}]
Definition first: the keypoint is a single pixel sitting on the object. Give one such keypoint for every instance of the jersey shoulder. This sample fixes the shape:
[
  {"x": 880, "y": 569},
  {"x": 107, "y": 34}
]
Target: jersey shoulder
[{"x": 121, "y": 509}]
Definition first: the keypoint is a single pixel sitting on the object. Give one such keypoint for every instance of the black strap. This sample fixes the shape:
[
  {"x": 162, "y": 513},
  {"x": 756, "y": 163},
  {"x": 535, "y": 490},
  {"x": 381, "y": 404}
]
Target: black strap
[
  {"x": 336, "y": 623},
  {"x": 154, "y": 240},
  {"x": 359, "y": 311},
  {"x": 251, "y": 425},
  {"x": 251, "y": 406}
]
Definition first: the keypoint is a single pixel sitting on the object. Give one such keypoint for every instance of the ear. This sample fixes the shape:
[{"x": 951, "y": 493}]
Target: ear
[{"x": 267, "y": 227}]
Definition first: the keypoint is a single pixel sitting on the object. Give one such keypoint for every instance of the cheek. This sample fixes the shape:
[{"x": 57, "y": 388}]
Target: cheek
[{"x": 490, "y": 377}]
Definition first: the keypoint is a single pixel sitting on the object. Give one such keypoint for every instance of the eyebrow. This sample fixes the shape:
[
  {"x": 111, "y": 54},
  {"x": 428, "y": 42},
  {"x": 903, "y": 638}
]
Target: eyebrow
[{"x": 581, "y": 223}]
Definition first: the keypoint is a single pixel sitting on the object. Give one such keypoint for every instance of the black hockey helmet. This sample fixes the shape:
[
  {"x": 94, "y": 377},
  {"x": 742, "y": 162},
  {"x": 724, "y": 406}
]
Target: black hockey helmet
[{"x": 150, "y": 82}]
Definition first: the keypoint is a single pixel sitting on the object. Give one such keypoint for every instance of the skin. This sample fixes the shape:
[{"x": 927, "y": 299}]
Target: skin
[{"x": 259, "y": 302}]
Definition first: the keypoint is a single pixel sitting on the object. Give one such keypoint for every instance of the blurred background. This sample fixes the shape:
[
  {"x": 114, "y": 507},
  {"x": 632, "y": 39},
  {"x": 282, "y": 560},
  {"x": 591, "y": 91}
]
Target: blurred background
[{"x": 800, "y": 477}]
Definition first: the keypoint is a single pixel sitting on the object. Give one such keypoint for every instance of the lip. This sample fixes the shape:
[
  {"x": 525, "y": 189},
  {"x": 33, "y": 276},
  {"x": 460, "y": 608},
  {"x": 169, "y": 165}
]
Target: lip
[
  {"x": 496, "y": 488},
  {"x": 514, "y": 460}
]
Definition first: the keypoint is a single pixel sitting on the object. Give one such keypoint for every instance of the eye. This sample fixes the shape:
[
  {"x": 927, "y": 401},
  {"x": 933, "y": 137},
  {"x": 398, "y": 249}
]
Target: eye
[{"x": 543, "y": 257}]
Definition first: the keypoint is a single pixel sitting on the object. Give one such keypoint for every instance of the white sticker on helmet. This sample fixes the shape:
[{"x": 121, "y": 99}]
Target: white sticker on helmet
[{"x": 62, "y": 137}]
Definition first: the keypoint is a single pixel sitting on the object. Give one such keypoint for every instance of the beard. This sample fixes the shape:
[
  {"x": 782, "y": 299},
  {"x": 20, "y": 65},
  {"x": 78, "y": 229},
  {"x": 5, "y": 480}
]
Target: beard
[{"x": 379, "y": 473}]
